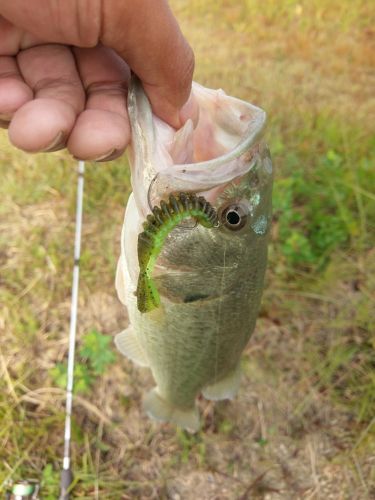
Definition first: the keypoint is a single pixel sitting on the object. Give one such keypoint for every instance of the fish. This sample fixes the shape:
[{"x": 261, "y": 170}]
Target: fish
[{"x": 207, "y": 278}]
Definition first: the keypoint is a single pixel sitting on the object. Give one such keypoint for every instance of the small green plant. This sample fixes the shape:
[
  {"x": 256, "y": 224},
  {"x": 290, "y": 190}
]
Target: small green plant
[
  {"x": 226, "y": 426},
  {"x": 50, "y": 482},
  {"x": 191, "y": 445},
  {"x": 318, "y": 210},
  {"x": 96, "y": 349},
  {"x": 262, "y": 442},
  {"x": 95, "y": 355}
]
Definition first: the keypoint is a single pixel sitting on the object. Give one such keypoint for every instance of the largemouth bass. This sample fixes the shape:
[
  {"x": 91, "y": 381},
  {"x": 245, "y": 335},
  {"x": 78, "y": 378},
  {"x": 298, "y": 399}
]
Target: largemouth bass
[{"x": 208, "y": 276}]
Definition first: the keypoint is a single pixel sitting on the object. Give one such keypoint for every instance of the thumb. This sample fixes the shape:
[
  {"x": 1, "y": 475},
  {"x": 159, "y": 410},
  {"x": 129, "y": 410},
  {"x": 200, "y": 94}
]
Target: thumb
[{"x": 147, "y": 36}]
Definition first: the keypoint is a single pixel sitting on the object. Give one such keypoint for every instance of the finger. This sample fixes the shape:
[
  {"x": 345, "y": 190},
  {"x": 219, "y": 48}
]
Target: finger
[
  {"x": 13, "y": 90},
  {"x": 102, "y": 130},
  {"x": 13, "y": 38},
  {"x": 45, "y": 123},
  {"x": 154, "y": 48},
  {"x": 71, "y": 22}
]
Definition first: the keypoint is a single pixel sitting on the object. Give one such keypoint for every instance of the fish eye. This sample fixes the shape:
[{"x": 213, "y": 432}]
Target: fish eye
[{"x": 234, "y": 216}]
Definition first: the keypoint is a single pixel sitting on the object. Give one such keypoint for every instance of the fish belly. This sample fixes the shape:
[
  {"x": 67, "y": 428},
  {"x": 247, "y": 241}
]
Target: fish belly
[{"x": 193, "y": 345}]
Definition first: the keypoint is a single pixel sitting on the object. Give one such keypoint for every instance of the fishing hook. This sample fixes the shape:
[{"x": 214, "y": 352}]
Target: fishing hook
[{"x": 180, "y": 226}]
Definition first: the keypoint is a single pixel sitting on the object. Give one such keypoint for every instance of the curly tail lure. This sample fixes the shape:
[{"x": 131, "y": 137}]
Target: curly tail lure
[{"x": 156, "y": 228}]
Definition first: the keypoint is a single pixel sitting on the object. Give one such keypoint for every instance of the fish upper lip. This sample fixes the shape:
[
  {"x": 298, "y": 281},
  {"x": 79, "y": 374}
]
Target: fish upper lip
[{"x": 180, "y": 178}]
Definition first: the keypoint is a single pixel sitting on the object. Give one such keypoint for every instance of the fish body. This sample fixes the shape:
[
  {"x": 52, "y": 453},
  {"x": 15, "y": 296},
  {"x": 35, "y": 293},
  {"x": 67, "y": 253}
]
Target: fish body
[{"x": 209, "y": 280}]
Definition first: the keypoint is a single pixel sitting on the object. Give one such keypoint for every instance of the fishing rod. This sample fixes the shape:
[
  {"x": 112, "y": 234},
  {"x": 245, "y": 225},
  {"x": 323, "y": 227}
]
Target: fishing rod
[
  {"x": 67, "y": 473},
  {"x": 29, "y": 489}
]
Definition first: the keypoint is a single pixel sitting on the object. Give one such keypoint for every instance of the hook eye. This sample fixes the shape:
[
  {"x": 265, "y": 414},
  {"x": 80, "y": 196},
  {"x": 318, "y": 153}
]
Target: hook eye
[{"x": 184, "y": 226}]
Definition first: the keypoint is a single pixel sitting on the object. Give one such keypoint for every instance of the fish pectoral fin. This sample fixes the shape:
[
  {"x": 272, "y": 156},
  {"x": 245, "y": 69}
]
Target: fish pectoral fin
[
  {"x": 120, "y": 281},
  {"x": 158, "y": 408},
  {"x": 225, "y": 388},
  {"x": 128, "y": 344}
]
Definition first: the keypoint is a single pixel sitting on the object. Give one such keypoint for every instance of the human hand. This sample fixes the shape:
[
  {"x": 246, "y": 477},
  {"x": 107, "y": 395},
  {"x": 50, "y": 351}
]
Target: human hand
[{"x": 65, "y": 68}]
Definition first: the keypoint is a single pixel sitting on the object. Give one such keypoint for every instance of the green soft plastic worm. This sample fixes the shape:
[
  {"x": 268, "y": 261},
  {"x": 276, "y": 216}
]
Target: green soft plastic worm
[{"x": 156, "y": 228}]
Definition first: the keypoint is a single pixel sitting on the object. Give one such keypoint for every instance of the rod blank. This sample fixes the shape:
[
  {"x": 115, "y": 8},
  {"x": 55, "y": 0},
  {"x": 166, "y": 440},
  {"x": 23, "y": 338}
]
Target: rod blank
[{"x": 67, "y": 474}]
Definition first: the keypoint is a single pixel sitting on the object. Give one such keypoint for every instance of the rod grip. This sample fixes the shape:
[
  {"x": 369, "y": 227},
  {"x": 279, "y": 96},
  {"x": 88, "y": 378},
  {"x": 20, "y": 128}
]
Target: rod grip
[{"x": 65, "y": 483}]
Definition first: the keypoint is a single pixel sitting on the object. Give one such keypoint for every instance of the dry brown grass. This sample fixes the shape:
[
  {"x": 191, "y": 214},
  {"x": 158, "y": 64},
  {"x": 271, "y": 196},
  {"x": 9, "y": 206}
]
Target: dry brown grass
[{"x": 295, "y": 430}]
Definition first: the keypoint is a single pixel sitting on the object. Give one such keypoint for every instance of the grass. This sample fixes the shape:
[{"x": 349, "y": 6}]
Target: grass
[{"x": 303, "y": 424}]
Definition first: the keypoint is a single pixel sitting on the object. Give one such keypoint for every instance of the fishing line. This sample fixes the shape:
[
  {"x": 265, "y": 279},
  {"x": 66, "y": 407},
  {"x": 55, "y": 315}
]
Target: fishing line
[{"x": 66, "y": 473}]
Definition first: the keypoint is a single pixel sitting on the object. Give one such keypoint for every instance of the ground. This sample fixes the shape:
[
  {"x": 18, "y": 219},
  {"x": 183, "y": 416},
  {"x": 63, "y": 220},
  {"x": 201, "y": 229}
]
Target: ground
[{"x": 302, "y": 426}]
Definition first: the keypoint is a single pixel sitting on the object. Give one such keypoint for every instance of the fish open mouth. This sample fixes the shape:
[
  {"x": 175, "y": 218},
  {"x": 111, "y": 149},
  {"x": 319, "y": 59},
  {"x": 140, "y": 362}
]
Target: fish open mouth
[
  {"x": 191, "y": 159},
  {"x": 226, "y": 127}
]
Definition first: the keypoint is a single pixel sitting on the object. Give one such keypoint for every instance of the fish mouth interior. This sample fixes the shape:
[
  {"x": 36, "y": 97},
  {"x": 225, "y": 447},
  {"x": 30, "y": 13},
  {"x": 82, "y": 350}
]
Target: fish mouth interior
[
  {"x": 223, "y": 122},
  {"x": 225, "y": 125}
]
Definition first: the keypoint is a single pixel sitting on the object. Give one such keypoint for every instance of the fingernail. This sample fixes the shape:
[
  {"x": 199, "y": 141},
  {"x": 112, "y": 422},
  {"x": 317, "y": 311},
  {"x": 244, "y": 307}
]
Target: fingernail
[
  {"x": 190, "y": 110},
  {"x": 111, "y": 155},
  {"x": 56, "y": 144}
]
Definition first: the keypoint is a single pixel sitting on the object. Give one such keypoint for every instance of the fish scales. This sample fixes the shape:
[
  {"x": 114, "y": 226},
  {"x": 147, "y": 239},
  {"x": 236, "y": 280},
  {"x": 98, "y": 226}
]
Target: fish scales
[{"x": 210, "y": 281}]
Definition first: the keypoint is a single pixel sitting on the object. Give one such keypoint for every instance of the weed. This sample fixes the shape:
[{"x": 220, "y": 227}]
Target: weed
[
  {"x": 50, "y": 482},
  {"x": 95, "y": 355},
  {"x": 190, "y": 445},
  {"x": 318, "y": 212},
  {"x": 97, "y": 351}
]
